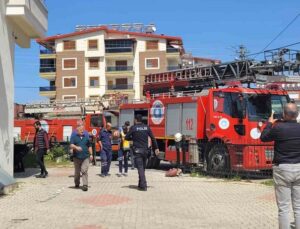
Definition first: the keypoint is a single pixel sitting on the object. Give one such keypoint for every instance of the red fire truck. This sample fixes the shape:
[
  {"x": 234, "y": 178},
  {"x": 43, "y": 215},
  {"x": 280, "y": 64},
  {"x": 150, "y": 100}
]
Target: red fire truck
[
  {"x": 222, "y": 124},
  {"x": 60, "y": 123}
]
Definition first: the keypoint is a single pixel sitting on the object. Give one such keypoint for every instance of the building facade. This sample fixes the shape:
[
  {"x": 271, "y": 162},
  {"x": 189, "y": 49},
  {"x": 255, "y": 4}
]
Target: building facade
[
  {"x": 102, "y": 61},
  {"x": 20, "y": 21}
]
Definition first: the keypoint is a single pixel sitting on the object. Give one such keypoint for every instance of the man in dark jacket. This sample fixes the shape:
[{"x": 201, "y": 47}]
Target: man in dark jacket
[
  {"x": 139, "y": 134},
  {"x": 286, "y": 169},
  {"x": 41, "y": 146}
]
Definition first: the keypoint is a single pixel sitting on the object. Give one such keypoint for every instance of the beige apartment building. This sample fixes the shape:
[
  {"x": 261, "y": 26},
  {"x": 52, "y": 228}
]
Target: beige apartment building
[{"x": 104, "y": 61}]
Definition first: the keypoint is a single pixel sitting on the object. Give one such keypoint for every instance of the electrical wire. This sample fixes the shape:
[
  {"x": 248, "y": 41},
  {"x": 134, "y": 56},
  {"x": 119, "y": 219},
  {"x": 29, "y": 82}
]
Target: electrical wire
[{"x": 278, "y": 35}]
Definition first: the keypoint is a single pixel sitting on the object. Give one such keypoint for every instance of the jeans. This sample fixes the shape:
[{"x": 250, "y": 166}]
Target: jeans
[
  {"x": 287, "y": 189},
  {"x": 123, "y": 156},
  {"x": 40, "y": 160},
  {"x": 106, "y": 157}
]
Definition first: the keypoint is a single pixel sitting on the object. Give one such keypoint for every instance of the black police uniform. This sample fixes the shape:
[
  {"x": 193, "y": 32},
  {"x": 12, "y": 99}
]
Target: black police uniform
[{"x": 139, "y": 134}]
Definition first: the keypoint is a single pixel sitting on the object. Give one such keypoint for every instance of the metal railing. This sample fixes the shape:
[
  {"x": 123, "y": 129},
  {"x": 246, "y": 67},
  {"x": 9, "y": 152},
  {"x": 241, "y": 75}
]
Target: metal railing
[
  {"x": 47, "y": 51},
  {"x": 119, "y": 68},
  {"x": 50, "y": 88},
  {"x": 119, "y": 87},
  {"x": 172, "y": 50},
  {"x": 47, "y": 69},
  {"x": 118, "y": 49}
]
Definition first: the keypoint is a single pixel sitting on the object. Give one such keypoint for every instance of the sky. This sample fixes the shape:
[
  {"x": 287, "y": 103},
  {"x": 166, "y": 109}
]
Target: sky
[{"x": 209, "y": 28}]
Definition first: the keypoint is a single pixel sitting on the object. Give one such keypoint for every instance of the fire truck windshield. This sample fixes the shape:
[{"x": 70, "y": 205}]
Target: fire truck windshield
[
  {"x": 96, "y": 120},
  {"x": 260, "y": 106},
  {"x": 257, "y": 107}
]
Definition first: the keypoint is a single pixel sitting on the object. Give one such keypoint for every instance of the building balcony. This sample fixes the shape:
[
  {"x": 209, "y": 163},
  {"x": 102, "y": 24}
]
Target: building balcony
[
  {"x": 126, "y": 88},
  {"x": 49, "y": 92},
  {"x": 48, "y": 73},
  {"x": 173, "y": 52},
  {"x": 124, "y": 52},
  {"x": 30, "y": 16},
  {"x": 47, "y": 54},
  {"x": 119, "y": 70}
]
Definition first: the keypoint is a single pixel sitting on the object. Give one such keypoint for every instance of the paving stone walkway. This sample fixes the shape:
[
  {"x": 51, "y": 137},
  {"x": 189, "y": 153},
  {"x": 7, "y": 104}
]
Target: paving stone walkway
[{"x": 114, "y": 202}]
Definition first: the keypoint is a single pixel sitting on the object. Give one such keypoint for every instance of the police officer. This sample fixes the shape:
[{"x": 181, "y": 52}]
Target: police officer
[
  {"x": 139, "y": 134},
  {"x": 104, "y": 141}
]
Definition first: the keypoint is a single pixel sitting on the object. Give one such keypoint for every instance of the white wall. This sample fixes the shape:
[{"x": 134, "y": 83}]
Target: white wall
[{"x": 6, "y": 93}]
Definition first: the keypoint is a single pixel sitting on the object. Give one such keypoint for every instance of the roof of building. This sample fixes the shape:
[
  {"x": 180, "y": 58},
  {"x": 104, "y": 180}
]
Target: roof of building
[{"x": 111, "y": 31}]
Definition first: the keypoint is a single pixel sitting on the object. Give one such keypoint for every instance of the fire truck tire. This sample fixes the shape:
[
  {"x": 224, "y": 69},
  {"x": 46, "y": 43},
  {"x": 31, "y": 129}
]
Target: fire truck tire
[{"x": 218, "y": 160}]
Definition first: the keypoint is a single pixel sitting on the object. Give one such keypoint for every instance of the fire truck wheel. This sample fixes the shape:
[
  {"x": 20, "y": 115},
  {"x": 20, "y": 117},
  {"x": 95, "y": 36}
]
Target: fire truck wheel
[{"x": 218, "y": 159}]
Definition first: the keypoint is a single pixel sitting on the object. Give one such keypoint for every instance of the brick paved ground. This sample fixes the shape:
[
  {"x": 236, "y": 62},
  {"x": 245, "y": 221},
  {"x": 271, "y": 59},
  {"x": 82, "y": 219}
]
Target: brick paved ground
[{"x": 114, "y": 203}]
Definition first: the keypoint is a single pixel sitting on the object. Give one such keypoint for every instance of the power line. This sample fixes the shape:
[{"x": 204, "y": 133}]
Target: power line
[{"x": 279, "y": 34}]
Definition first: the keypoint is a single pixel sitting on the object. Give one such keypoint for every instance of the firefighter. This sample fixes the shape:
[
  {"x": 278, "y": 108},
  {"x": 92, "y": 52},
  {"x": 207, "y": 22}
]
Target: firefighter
[
  {"x": 104, "y": 141},
  {"x": 139, "y": 134}
]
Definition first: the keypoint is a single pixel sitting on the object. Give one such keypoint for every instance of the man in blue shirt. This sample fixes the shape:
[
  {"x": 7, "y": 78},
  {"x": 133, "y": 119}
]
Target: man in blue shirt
[
  {"x": 82, "y": 154},
  {"x": 104, "y": 140}
]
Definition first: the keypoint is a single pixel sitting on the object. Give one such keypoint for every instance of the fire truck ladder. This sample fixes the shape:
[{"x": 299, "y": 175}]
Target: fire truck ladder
[{"x": 199, "y": 77}]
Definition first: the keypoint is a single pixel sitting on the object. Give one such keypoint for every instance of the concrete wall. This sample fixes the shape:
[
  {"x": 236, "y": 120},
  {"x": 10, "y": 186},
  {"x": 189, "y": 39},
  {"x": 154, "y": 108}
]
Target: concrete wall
[{"x": 7, "y": 44}]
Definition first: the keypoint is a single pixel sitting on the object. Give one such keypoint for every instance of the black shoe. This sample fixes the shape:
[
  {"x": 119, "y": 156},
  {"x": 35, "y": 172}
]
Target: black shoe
[
  {"x": 40, "y": 176},
  {"x": 107, "y": 175},
  {"x": 142, "y": 189},
  {"x": 102, "y": 175},
  {"x": 76, "y": 185},
  {"x": 84, "y": 188},
  {"x": 45, "y": 175}
]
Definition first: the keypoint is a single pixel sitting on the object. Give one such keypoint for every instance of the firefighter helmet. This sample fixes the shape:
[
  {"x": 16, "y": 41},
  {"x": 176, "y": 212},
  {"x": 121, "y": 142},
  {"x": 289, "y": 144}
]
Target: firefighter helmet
[{"x": 178, "y": 137}]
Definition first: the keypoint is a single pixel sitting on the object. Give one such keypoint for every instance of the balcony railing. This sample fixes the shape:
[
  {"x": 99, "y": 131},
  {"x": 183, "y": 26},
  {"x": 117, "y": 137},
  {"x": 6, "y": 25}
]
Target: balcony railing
[
  {"x": 50, "y": 88},
  {"x": 47, "y": 69},
  {"x": 172, "y": 50},
  {"x": 119, "y": 87},
  {"x": 118, "y": 49},
  {"x": 47, "y": 51},
  {"x": 175, "y": 67},
  {"x": 118, "y": 68}
]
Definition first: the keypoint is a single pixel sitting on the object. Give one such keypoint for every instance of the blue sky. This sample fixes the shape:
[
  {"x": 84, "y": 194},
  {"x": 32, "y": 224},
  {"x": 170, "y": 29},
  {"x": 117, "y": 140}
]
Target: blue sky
[{"x": 209, "y": 28}]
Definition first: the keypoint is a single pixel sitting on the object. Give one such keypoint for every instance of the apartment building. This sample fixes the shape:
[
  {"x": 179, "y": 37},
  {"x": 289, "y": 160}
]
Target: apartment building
[{"x": 104, "y": 61}]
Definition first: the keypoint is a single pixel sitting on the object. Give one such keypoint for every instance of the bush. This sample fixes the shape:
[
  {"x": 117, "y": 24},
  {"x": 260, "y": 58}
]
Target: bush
[{"x": 57, "y": 152}]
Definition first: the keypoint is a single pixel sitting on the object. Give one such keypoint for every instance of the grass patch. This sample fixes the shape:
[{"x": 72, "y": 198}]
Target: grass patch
[{"x": 268, "y": 182}]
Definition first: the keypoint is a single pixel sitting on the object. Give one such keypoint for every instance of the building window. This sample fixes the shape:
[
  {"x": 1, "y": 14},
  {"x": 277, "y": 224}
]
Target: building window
[
  {"x": 93, "y": 44},
  {"x": 94, "y": 81},
  {"x": 93, "y": 62},
  {"x": 70, "y": 82},
  {"x": 70, "y": 97},
  {"x": 69, "y": 64},
  {"x": 152, "y": 45},
  {"x": 69, "y": 45},
  {"x": 152, "y": 63}
]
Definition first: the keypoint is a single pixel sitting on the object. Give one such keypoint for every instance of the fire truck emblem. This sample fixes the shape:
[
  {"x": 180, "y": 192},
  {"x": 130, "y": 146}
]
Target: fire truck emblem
[
  {"x": 45, "y": 125},
  {"x": 224, "y": 123},
  {"x": 157, "y": 112}
]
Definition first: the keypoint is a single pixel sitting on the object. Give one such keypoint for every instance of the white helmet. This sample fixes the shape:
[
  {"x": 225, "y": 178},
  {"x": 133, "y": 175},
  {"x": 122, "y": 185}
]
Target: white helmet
[{"x": 178, "y": 137}]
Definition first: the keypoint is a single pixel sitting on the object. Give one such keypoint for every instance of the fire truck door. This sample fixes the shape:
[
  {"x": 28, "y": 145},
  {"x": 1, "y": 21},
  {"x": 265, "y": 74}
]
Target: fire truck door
[
  {"x": 189, "y": 119},
  {"x": 174, "y": 115}
]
